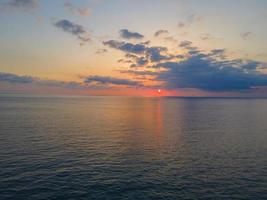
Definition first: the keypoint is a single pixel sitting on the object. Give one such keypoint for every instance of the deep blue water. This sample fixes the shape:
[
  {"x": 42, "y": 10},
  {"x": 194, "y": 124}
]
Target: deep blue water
[{"x": 132, "y": 148}]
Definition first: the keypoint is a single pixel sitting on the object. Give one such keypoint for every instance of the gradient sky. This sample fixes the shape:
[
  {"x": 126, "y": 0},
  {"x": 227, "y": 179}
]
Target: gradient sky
[{"x": 134, "y": 47}]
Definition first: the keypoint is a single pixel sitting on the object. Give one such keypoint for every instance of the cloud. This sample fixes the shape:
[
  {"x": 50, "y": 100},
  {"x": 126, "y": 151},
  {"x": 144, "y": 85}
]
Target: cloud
[
  {"x": 111, "y": 80},
  {"x": 185, "y": 44},
  {"x": 245, "y": 35},
  {"x": 22, "y": 5},
  {"x": 140, "y": 61},
  {"x": 160, "y": 32},
  {"x": 188, "y": 46},
  {"x": 218, "y": 53},
  {"x": 83, "y": 12},
  {"x": 75, "y": 29},
  {"x": 153, "y": 54},
  {"x": 145, "y": 43},
  {"x": 190, "y": 20},
  {"x": 194, "y": 69},
  {"x": 101, "y": 51},
  {"x": 126, "y": 47},
  {"x": 165, "y": 33},
  {"x": 139, "y": 73},
  {"x": 12, "y": 78},
  {"x": 124, "y": 61},
  {"x": 207, "y": 36},
  {"x": 205, "y": 72},
  {"x": 126, "y": 34},
  {"x": 170, "y": 39},
  {"x": 86, "y": 83},
  {"x": 19, "y": 80},
  {"x": 70, "y": 27},
  {"x": 137, "y": 61}
]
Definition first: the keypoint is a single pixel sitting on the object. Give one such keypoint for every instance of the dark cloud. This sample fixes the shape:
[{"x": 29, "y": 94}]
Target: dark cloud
[
  {"x": 203, "y": 71},
  {"x": 137, "y": 61},
  {"x": 90, "y": 82},
  {"x": 145, "y": 43},
  {"x": 84, "y": 12},
  {"x": 34, "y": 81},
  {"x": 126, "y": 47},
  {"x": 161, "y": 32},
  {"x": 140, "y": 61},
  {"x": 75, "y": 29},
  {"x": 153, "y": 54},
  {"x": 111, "y": 80},
  {"x": 18, "y": 81},
  {"x": 13, "y": 78},
  {"x": 245, "y": 35},
  {"x": 70, "y": 27},
  {"x": 218, "y": 53},
  {"x": 188, "y": 46},
  {"x": 157, "y": 54},
  {"x": 126, "y": 34},
  {"x": 252, "y": 66},
  {"x": 24, "y": 5},
  {"x": 165, "y": 33}
]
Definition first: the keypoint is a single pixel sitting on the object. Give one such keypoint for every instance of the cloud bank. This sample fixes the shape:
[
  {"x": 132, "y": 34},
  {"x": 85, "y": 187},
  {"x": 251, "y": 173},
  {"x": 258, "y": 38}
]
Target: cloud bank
[
  {"x": 197, "y": 69},
  {"x": 203, "y": 71},
  {"x": 12, "y": 78}
]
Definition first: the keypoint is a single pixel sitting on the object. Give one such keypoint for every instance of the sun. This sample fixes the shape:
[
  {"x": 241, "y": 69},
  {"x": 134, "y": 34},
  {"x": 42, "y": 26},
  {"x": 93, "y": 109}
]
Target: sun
[{"x": 159, "y": 91}]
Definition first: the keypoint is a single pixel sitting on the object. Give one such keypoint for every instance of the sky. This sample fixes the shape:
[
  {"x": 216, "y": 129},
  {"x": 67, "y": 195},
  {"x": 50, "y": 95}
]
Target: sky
[{"x": 134, "y": 47}]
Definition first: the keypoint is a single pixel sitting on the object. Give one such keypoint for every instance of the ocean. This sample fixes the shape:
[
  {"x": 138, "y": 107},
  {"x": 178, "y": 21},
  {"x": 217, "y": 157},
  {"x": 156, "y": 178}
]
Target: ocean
[{"x": 67, "y": 147}]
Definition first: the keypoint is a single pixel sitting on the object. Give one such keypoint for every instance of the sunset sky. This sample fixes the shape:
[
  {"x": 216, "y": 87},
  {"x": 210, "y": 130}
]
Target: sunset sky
[{"x": 134, "y": 47}]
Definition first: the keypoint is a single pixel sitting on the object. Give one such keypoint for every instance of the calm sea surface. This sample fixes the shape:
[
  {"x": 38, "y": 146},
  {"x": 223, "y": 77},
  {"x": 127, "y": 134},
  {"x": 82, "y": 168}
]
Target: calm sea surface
[{"x": 132, "y": 148}]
